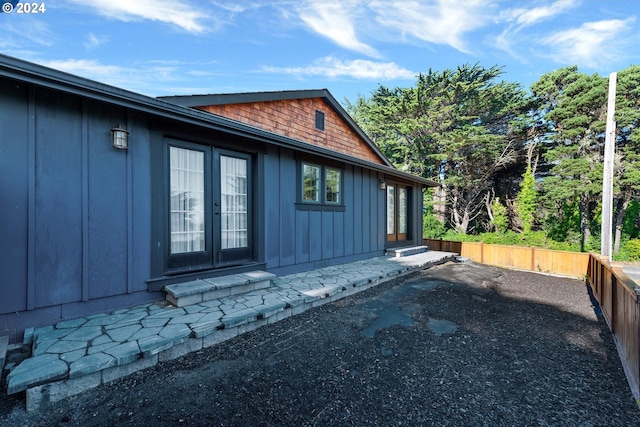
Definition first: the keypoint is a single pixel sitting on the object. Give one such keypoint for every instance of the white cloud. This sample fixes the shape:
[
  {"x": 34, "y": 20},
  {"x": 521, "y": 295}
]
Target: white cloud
[
  {"x": 14, "y": 33},
  {"x": 94, "y": 41},
  {"x": 183, "y": 14},
  {"x": 519, "y": 19},
  {"x": 144, "y": 79},
  {"x": 335, "y": 20},
  {"x": 359, "y": 69},
  {"x": 440, "y": 21},
  {"x": 591, "y": 45},
  {"x": 524, "y": 17}
]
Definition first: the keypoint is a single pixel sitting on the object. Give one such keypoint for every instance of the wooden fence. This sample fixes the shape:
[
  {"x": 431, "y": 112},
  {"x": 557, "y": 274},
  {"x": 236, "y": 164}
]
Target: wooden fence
[
  {"x": 619, "y": 299},
  {"x": 573, "y": 264},
  {"x": 617, "y": 294}
]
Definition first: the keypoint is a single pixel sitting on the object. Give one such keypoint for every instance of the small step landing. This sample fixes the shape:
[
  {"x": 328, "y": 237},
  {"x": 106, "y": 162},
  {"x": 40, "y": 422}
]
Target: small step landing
[
  {"x": 406, "y": 251},
  {"x": 200, "y": 290}
]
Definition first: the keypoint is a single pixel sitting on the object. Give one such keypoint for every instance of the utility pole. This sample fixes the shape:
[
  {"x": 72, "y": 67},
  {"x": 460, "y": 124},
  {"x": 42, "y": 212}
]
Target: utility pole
[{"x": 607, "y": 178}]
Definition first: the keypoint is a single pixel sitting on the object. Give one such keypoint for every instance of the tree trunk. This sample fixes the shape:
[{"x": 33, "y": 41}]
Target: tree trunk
[
  {"x": 439, "y": 202},
  {"x": 488, "y": 201},
  {"x": 584, "y": 222},
  {"x": 460, "y": 220},
  {"x": 622, "y": 208}
]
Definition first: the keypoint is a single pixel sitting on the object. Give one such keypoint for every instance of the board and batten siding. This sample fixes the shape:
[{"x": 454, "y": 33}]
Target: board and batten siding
[
  {"x": 298, "y": 237},
  {"x": 73, "y": 239}
]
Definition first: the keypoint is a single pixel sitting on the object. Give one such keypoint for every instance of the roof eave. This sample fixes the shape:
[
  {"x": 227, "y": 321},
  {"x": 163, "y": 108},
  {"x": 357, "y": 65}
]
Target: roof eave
[{"x": 38, "y": 75}]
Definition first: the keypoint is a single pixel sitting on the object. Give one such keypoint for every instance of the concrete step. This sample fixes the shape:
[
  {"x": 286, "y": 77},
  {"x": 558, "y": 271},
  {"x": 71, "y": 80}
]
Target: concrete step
[
  {"x": 406, "y": 251},
  {"x": 196, "y": 291}
]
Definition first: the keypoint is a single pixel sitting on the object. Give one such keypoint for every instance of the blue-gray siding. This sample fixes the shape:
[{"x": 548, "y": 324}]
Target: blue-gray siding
[
  {"x": 79, "y": 229},
  {"x": 299, "y": 237},
  {"x": 74, "y": 233}
]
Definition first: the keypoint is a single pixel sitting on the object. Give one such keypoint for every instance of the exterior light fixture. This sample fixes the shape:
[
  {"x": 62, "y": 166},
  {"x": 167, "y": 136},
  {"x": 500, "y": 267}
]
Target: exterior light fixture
[
  {"x": 120, "y": 137},
  {"x": 382, "y": 185}
]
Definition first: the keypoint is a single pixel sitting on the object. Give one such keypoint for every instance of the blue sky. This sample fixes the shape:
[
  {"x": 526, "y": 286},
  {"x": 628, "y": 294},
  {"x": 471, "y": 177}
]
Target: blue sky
[{"x": 169, "y": 47}]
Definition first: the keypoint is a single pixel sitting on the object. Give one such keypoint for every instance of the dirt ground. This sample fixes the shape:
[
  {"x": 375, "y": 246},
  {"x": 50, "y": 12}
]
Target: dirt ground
[{"x": 454, "y": 345}]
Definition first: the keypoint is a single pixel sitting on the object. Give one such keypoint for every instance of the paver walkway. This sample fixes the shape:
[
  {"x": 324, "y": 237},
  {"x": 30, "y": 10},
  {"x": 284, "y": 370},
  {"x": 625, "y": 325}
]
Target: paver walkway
[{"x": 76, "y": 355}]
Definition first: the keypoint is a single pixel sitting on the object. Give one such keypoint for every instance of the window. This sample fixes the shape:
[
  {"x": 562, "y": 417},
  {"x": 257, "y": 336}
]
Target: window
[
  {"x": 319, "y": 120},
  {"x": 310, "y": 183},
  {"x": 321, "y": 184},
  {"x": 332, "y": 194}
]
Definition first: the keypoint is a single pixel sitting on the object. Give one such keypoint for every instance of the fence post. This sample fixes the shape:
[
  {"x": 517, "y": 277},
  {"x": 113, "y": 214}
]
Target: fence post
[
  {"x": 614, "y": 302},
  {"x": 533, "y": 258}
]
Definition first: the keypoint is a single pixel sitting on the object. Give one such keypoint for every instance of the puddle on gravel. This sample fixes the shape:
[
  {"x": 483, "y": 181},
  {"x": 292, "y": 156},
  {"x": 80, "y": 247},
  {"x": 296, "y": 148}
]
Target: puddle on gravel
[
  {"x": 390, "y": 315},
  {"x": 389, "y": 311},
  {"x": 441, "y": 327}
]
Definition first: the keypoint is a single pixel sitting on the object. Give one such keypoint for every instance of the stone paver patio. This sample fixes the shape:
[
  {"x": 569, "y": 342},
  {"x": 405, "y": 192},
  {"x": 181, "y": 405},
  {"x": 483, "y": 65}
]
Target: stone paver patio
[{"x": 76, "y": 355}]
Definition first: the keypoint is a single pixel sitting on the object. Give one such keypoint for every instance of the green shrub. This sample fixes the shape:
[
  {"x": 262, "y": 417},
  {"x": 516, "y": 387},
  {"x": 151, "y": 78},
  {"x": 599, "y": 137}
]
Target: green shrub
[
  {"x": 526, "y": 200},
  {"x": 500, "y": 219},
  {"x": 632, "y": 248},
  {"x": 432, "y": 227},
  {"x": 631, "y": 224}
]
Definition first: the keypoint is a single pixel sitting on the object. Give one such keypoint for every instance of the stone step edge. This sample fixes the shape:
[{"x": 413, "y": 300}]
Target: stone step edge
[
  {"x": 402, "y": 252},
  {"x": 199, "y": 290},
  {"x": 150, "y": 346}
]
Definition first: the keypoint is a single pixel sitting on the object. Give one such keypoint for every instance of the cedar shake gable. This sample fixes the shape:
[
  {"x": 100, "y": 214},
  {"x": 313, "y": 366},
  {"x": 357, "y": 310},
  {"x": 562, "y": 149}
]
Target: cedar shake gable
[{"x": 310, "y": 116}]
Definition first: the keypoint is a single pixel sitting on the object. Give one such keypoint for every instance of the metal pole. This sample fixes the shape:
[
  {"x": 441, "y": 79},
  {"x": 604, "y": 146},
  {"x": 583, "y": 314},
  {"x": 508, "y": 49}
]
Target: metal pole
[{"x": 607, "y": 178}]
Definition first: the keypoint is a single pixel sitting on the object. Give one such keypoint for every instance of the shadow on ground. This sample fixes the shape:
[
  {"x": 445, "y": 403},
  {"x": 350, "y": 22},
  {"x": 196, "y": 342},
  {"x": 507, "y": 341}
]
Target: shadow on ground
[{"x": 457, "y": 344}]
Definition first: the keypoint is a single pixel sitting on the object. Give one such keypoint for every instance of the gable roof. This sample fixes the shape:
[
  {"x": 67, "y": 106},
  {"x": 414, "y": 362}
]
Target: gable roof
[
  {"x": 255, "y": 97},
  {"x": 38, "y": 75}
]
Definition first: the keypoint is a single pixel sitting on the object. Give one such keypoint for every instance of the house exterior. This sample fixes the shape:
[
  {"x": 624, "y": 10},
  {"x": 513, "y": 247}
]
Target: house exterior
[{"x": 209, "y": 185}]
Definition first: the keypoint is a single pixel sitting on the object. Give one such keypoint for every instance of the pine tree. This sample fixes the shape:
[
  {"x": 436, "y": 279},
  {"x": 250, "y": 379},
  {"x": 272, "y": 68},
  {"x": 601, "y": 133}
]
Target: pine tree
[{"x": 527, "y": 203}]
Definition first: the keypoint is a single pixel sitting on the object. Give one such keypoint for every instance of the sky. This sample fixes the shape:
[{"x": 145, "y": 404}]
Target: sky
[{"x": 350, "y": 47}]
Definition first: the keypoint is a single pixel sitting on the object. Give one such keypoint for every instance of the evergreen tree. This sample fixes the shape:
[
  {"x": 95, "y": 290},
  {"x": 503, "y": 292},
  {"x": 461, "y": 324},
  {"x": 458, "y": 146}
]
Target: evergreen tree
[
  {"x": 500, "y": 220},
  {"x": 574, "y": 106},
  {"x": 461, "y": 127},
  {"x": 527, "y": 203},
  {"x": 627, "y": 158}
]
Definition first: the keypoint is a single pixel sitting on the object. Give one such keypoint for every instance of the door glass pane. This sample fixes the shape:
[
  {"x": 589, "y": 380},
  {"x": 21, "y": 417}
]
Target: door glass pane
[
  {"x": 402, "y": 210},
  {"x": 391, "y": 210},
  {"x": 233, "y": 202},
  {"x": 186, "y": 176}
]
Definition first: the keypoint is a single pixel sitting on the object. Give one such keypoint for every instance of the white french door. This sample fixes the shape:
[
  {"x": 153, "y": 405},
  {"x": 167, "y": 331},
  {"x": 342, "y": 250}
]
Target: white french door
[{"x": 209, "y": 218}]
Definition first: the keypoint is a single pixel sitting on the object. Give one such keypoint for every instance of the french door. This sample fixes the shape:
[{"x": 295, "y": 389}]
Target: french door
[
  {"x": 397, "y": 212},
  {"x": 232, "y": 213},
  {"x": 209, "y": 209}
]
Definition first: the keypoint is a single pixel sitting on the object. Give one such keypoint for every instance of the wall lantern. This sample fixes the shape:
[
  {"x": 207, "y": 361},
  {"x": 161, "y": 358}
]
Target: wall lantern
[
  {"x": 120, "y": 137},
  {"x": 382, "y": 185}
]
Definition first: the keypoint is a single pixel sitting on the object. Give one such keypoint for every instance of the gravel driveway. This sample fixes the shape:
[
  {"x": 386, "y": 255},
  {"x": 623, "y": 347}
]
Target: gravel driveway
[{"x": 454, "y": 345}]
